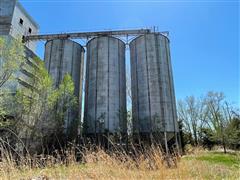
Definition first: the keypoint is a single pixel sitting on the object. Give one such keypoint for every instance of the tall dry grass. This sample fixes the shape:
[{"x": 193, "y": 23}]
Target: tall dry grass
[{"x": 98, "y": 164}]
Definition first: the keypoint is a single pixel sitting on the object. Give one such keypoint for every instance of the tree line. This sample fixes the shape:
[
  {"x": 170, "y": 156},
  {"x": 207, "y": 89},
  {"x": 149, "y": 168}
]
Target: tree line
[{"x": 209, "y": 120}]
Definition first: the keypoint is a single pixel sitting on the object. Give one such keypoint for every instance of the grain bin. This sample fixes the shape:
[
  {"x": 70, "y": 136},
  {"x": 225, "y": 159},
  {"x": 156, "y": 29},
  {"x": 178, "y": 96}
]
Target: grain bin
[
  {"x": 154, "y": 106},
  {"x": 63, "y": 56},
  {"x": 105, "y": 93}
]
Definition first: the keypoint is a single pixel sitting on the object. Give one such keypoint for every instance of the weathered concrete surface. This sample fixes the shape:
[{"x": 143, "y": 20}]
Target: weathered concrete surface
[
  {"x": 105, "y": 95},
  {"x": 10, "y": 14},
  {"x": 154, "y": 107},
  {"x": 66, "y": 57},
  {"x": 19, "y": 30},
  {"x": 6, "y": 14},
  {"x": 22, "y": 76}
]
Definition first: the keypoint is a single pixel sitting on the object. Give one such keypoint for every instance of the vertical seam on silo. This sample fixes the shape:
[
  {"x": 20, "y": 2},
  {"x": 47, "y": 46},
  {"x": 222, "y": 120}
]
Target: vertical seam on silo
[
  {"x": 108, "y": 88},
  {"x": 60, "y": 69},
  {"x": 149, "y": 99},
  {"x": 119, "y": 87},
  {"x": 123, "y": 91},
  {"x": 86, "y": 118},
  {"x": 82, "y": 64},
  {"x": 162, "y": 100},
  {"x": 50, "y": 59},
  {"x": 136, "y": 62},
  {"x": 96, "y": 88},
  {"x": 159, "y": 75},
  {"x": 70, "y": 110},
  {"x": 72, "y": 60},
  {"x": 60, "y": 63},
  {"x": 170, "y": 85}
]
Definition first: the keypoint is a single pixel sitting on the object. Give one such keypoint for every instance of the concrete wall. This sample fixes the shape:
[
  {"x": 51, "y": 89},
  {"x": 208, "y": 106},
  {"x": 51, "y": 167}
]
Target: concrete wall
[
  {"x": 19, "y": 30},
  {"x": 27, "y": 71},
  {"x": 13, "y": 83},
  {"x": 66, "y": 57},
  {"x": 154, "y": 107},
  {"x": 6, "y": 14},
  {"x": 10, "y": 14},
  {"x": 105, "y": 92}
]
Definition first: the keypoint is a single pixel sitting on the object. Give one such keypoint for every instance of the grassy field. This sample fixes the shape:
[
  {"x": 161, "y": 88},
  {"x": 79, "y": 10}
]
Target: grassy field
[{"x": 99, "y": 165}]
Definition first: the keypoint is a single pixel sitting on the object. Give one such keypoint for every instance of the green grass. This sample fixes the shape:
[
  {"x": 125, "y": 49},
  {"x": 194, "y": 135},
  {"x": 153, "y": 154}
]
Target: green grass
[{"x": 229, "y": 159}]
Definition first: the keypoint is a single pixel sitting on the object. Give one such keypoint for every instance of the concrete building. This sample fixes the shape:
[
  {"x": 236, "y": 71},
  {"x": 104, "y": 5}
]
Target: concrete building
[{"x": 16, "y": 22}]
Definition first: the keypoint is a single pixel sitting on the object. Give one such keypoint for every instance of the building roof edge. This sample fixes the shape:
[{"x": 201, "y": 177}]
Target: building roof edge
[{"x": 18, "y": 4}]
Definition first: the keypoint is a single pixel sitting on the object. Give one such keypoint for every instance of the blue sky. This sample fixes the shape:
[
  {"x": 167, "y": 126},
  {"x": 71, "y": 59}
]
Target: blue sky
[{"x": 204, "y": 35}]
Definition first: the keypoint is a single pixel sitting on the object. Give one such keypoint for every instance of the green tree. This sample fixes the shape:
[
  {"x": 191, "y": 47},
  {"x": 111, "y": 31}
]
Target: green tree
[
  {"x": 6, "y": 105},
  {"x": 222, "y": 119},
  {"x": 41, "y": 110},
  {"x": 233, "y": 133},
  {"x": 11, "y": 58},
  {"x": 67, "y": 105},
  {"x": 209, "y": 121},
  {"x": 34, "y": 105},
  {"x": 207, "y": 139}
]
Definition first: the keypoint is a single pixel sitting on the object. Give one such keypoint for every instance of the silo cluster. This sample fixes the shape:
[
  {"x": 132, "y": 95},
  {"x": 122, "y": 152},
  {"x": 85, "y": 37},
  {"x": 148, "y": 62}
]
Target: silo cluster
[{"x": 153, "y": 99}]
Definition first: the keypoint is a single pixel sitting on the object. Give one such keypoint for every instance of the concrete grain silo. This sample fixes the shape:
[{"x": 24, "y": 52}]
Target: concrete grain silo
[
  {"x": 63, "y": 56},
  {"x": 153, "y": 98},
  {"x": 105, "y": 93}
]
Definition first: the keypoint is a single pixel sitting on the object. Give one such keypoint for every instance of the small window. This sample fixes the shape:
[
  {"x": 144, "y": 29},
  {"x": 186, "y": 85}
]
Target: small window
[
  {"x": 30, "y": 30},
  {"x": 21, "y": 21}
]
